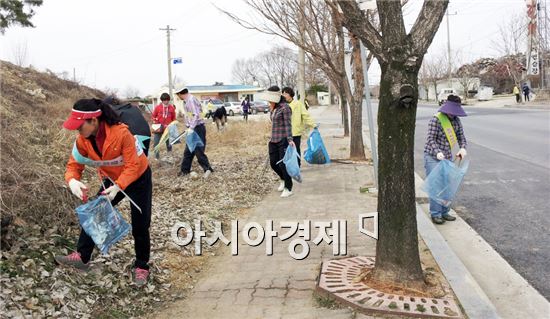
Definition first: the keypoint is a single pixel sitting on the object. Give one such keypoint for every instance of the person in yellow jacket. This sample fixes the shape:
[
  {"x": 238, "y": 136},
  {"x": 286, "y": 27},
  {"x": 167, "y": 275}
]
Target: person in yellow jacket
[
  {"x": 210, "y": 108},
  {"x": 300, "y": 118},
  {"x": 516, "y": 92}
]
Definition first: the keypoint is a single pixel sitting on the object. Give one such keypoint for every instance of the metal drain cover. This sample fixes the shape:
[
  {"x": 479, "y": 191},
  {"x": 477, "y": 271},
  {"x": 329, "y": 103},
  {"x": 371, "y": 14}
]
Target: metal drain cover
[{"x": 336, "y": 280}]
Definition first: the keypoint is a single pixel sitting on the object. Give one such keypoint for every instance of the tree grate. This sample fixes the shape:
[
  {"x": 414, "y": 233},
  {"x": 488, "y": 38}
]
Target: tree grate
[{"x": 336, "y": 280}]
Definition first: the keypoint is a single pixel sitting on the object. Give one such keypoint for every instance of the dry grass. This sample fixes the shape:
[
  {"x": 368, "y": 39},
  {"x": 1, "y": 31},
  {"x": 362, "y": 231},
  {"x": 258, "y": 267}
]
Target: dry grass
[
  {"x": 34, "y": 147},
  {"x": 240, "y": 136}
]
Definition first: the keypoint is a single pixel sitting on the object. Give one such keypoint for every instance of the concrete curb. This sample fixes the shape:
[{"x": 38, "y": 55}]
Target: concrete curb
[
  {"x": 473, "y": 299},
  {"x": 512, "y": 296}
]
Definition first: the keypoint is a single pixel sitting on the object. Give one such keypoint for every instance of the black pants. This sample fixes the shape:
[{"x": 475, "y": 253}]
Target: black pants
[
  {"x": 276, "y": 153},
  {"x": 245, "y": 116},
  {"x": 199, "y": 152},
  {"x": 526, "y": 96},
  {"x": 297, "y": 141},
  {"x": 220, "y": 121},
  {"x": 141, "y": 192},
  {"x": 518, "y": 98},
  {"x": 156, "y": 137}
]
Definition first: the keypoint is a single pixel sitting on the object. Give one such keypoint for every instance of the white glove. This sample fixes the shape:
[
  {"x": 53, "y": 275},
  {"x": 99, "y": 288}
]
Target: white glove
[
  {"x": 440, "y": 156},
  {"x": 190, "y": 131},
  {"x": 111, "y": 192},
  {"x": 462, "y": 153},
  {"x": 78, "y": 188}
]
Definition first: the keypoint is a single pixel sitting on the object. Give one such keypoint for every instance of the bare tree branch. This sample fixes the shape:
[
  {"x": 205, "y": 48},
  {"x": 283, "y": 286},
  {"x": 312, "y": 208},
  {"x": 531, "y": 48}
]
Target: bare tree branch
[
  {"x": 427, "y": 23},
  {"x": 357, "y": 22}
]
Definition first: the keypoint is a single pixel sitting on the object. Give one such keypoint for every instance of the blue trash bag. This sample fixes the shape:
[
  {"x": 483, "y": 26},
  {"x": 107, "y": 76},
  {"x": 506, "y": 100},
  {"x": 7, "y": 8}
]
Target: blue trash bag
[
  {"x": 193, "y": 141},
  {"x": 173, "y": 134},
  {"x": 444, "y": 181},
  {"x": 104, "y": 223},
  {"x": 316, "y": 152},
  {"x": 291, "y": 163}
]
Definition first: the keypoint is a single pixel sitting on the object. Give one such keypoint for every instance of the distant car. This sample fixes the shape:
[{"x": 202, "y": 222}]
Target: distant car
[
  {"x": 444, "y": 93},
  {"x": 233, "y": 108},
  {"x": 259, "y": 107}
]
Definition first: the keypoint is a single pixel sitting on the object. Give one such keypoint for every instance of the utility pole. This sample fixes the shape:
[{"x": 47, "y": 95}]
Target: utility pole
[
  {"x": 74, "y": 75},
  {"x": 167, "y": 29},
  {"x": 302, "y": 74},
  {"x": 449, "y": 66},
  {"x": 301, "y": 62}
]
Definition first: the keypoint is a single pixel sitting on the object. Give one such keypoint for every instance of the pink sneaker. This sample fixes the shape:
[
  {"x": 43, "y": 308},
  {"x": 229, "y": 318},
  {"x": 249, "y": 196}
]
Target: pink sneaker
[
  {"x": 73, "y": 260},
  {"x": 141, "y": 276}
]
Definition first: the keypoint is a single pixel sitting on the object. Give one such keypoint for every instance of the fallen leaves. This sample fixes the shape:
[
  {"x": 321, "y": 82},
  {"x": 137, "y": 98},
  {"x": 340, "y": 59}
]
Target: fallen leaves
[{"x": 33, "y": 286}]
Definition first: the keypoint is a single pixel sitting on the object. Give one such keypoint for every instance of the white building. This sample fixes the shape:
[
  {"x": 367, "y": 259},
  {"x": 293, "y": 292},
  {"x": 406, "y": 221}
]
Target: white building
[
  {"x": 323, "y": 98},
  {"x": 455, "y": 83}
]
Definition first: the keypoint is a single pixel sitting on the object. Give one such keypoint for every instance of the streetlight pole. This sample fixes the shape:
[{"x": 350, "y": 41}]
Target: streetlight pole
[{"x": 369, "y": 113}]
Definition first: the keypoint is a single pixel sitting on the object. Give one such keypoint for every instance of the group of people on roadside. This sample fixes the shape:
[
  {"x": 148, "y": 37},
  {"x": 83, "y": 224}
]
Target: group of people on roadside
[
  {"x": 165, "y": 113},
  {"x": 106, "y": 143},
  {"x": 525, "y": 89},
  {"x": 289, "y": 121}
]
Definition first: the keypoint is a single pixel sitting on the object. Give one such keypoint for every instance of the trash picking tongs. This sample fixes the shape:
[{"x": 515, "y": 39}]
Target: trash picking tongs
[
  {"x": 178, "y": 138},
  {"x": 101, "y": 175}
]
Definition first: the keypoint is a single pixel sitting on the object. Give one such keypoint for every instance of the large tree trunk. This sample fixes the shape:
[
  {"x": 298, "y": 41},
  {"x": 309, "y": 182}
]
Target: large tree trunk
[
  {"x": 357, "y": 148},
  {"x": 400, "y": 57},
  {"x": 397, "y": 257},
  {"x": 435, "y": 89},
  {"x": 345, "y": 115}
]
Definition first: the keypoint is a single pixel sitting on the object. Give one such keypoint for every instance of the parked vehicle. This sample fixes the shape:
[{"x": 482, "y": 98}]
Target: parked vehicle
[
  {"x": 259, "y": 107},
  {"x": 233, "y": 108},
  {"x": 444, "y": 93}
]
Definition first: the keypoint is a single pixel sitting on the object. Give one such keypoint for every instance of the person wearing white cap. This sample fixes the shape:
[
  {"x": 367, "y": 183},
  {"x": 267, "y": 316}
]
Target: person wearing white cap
[
  {"x": 195, "y": 123},
  {"x": 281, "y": 136}
]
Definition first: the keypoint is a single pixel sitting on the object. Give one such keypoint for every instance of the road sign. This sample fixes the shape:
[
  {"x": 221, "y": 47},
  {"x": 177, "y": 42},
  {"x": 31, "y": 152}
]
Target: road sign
[{"x": 177, "y": 60}]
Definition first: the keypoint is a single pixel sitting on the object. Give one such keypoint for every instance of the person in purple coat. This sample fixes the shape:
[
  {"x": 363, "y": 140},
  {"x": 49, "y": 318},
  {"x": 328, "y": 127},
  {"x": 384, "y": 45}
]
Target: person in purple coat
[{"x": 245, "y": 106}]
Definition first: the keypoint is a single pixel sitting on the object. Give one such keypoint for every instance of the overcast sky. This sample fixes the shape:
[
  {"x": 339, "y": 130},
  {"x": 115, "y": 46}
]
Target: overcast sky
[{"x": 118, "y": 44}]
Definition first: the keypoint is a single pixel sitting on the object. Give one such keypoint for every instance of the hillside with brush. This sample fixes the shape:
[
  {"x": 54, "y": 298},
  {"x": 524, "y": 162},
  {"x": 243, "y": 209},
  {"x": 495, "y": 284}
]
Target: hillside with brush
[{"x": 34, "y": 146}]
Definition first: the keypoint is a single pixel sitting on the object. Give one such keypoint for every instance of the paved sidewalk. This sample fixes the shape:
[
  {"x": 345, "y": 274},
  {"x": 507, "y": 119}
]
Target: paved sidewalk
[{"x": 254, "y": 285}]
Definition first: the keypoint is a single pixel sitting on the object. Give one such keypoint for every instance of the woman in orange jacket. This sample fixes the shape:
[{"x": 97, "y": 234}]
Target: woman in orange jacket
[{"x": 108, "y": 144}]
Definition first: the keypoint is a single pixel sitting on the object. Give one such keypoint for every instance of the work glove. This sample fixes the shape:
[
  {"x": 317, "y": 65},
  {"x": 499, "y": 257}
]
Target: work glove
[
  {"x": 78, "y": 188},
  {"x": 190, "y": 131},
  {"x": 111, "y": 192},
  {"x": 461, "y": 153},
  {"x": 440, "y": 156}
]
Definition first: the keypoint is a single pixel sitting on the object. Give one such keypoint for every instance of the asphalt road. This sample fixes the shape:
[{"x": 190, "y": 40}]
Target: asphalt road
[{"x": 506, "y": 192}]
